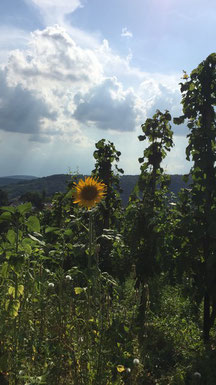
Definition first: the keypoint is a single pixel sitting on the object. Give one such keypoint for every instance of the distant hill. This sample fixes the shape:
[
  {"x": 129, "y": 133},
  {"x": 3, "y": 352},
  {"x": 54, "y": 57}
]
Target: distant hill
[
  {"x": 23, "y": 177},
  {"x": 5, "y": 180},
  {"x": 16, "y": 186},
  {"x": 128, "y": 183},
  {"x": 49, "y": 184}
]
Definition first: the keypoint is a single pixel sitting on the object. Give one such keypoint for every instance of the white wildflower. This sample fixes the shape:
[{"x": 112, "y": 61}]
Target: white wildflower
[{"x": 136, "y": 361}]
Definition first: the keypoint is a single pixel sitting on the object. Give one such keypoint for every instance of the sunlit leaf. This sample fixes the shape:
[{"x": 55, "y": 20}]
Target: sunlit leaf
[
  {"x": 11, "y": 291},
  {"x": 11, "y": 236},
  {"x": 78, "y": 290},
  {"x": 24, "y": 208},
  {"x": 33, "y": 223}
]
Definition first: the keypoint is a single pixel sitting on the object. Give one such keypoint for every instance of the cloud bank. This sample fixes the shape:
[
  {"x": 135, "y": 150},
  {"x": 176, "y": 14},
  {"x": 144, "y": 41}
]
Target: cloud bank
[
  {"x": 108, "y": 106},
  {"x": 57, "y": 89},
  {"x": 21, "y": 110}
]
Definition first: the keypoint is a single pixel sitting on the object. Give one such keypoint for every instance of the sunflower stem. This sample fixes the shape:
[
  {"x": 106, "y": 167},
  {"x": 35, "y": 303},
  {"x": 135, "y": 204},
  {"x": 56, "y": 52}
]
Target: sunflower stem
[{"x": 90, "y": 240}]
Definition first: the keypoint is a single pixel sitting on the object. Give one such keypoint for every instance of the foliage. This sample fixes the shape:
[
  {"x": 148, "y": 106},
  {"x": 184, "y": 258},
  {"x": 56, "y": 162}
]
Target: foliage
[
  {"x": 115, "y": 295},
  {"x": 109, "y": 213},
  {"x": 145, "y": 217},
  {"x": 35, "y": 198},
  {"x": 106, "y": 157},
  {"x": 199, "y": 100},
  {"x": 3, "y": 198}
]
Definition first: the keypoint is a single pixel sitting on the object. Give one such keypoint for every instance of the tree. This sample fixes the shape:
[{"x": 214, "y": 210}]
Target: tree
[
  {"x": 34, "y": 197},
  {"x": 106, "y": 157},
  {"x": 152, "y": 185},
  {"x": 3, "y": 198},
  {"x": 109, "y": 213},
  {"x": 199, "y": 100},
  {"x": 146, "y": 213}
]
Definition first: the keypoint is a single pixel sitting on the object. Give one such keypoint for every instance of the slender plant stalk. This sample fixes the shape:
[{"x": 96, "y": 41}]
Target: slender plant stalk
[{"x": 90, "y": 240}]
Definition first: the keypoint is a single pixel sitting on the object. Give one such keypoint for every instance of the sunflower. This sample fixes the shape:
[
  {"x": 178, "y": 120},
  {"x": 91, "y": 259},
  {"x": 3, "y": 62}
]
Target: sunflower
[{"x": 89, "y": 192}]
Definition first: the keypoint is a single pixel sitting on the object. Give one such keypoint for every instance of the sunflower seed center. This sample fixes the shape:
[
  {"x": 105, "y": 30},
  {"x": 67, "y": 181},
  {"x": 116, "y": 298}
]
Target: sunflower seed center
[{"x": 89, "y": 193}]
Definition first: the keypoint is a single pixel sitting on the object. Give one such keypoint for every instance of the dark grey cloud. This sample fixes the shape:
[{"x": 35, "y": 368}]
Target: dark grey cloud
[
  {"x": 107, "y": 106},
  {"x": 21, "y": 110}
]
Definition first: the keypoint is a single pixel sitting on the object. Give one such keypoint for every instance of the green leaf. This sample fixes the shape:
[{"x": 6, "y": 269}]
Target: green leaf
[
  {"x": 141, "y": 137},
  {"x": 11, "y": 236},
  {"x": 11, "y": 291},
  {"x": 179, "y": 120},
  {"x": 25, "y": 208},
  {"x": 33, "y": 224},
  {"x": 6, "y": 216},
  {"x": 79, "y": 290},
  {"x": 20, "y": 290},
  {"x": 68, "y": 232},
  {"x": 108, "y": 278},
  {"x": 42, "y": 243},
  {"x": 9, "y": 209},
  {"x": 191, "y": 87},
  {"x": 51, "y": 229},
  {"x": 70, "y": 193},
  {"x": 26, "y": 243},
  {"x": 14, "y": 309},
  {"x": 4, "y": 270},
  {"x": 7, "y": 303}
]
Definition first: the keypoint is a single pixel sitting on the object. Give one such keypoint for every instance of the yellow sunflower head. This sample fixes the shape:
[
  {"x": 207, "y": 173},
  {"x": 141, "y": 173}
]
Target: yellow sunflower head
[{"x": 89, "y": 192}]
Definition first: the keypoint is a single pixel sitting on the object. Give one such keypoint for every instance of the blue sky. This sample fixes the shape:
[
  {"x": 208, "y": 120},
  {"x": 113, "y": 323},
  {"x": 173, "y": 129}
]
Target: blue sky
[{"x": 75, "y": 71}]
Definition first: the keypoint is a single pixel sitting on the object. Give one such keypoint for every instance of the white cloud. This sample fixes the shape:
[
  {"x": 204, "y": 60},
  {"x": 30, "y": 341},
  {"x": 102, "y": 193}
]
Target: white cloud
[
  {"x": 11, "y": 39},
  {"x": 55, "y": 68},
  {"x": 54, "y": 58},
  {"x": 70, "y": 93},
  {"x": 54, "y": 11},
  {"x": 126, "y": 33}
]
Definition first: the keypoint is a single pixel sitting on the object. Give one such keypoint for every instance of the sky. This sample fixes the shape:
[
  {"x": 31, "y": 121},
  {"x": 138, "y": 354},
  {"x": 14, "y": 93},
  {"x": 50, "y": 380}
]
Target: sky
[{"x": 75, "y": 71}]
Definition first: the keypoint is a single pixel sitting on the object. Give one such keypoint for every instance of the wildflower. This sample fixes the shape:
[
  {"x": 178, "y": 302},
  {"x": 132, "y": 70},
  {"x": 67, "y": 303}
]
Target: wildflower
[
  {"x": 68, "y": 277},
  {"x": 120, "y": 368},
  {"x": 128, "y": 370},
  {"x": 136, "y": 361},
  {"x": 89, "y": 192},
  {"x": 50, "y": 284}
]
